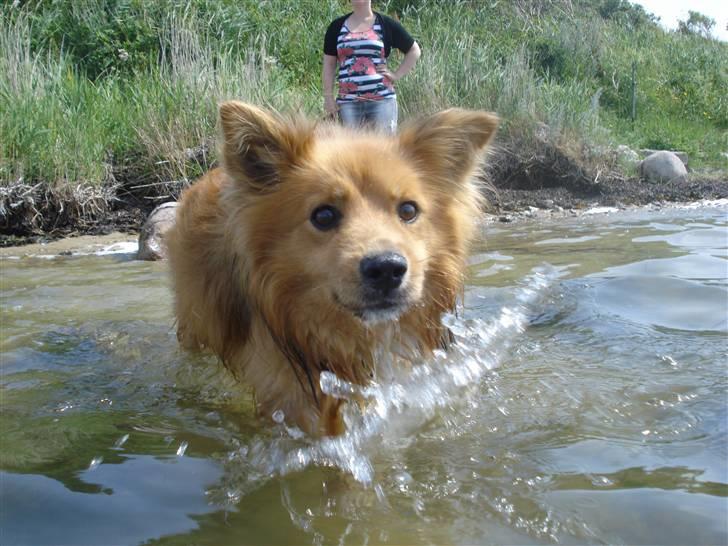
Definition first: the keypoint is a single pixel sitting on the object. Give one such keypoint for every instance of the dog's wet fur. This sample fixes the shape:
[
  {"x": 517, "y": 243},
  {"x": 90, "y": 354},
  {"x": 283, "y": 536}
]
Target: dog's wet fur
[{"x": 315, "y": 247}]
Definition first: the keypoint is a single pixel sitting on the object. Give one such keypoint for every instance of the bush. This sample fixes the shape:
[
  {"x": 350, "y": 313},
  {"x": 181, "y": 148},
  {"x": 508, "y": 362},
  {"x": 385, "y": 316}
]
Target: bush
[{"x": 550, "y": 58}]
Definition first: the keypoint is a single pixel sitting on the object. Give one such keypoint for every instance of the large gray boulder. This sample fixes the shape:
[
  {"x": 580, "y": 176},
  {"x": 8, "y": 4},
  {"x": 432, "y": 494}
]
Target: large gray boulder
[
  {"x": 151, "y": 236},
  {"x": 662, "y": 166},
  {"x": 683, "y": 156}
]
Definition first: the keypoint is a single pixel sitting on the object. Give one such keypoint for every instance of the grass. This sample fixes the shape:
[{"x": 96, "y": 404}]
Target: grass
[
  {"x": 61, "y": 127},
  {"x": 88, "y": 86}
]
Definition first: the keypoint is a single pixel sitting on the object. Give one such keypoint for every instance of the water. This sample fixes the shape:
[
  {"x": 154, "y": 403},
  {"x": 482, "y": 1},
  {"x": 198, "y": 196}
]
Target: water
[{"x": 585, "y": 402}]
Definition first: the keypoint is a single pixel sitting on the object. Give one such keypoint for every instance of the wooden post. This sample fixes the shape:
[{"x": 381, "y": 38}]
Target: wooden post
[{"x": 634, "y": 91}]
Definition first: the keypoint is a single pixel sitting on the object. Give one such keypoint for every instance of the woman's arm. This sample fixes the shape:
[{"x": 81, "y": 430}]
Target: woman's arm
[
  {"x": 328, "y": 79},
  {"x": 407, "y": 64},
  {"x": 409, "y": 61}
]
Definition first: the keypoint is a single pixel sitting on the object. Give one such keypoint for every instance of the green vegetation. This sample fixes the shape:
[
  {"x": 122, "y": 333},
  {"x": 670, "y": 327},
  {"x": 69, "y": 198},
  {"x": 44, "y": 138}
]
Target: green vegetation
[{"x": 100, "y": 92}]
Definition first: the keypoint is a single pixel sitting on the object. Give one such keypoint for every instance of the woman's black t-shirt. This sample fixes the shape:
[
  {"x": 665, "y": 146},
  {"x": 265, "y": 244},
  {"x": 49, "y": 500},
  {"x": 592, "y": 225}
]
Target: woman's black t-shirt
[{"x": 394, "y": 34}]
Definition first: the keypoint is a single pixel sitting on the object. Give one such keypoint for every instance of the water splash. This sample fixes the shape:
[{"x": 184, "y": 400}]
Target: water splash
[
  {"x": 95, "y": 462},
  {"x": 121, "y": 441},
  {"x": 397, "y": 408}
]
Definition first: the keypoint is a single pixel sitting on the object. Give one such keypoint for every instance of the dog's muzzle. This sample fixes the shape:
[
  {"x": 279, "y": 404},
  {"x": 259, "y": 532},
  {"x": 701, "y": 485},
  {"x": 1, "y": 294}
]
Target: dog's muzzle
[{"x": 381, "y": 277}]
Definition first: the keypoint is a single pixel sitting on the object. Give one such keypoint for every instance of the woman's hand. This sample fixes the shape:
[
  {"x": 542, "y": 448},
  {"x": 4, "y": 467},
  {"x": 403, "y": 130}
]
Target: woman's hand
[
  {"x": 330, "y": 106},
  {"x": 408, "y": 63},
  {"x": 385, "y": 72}
]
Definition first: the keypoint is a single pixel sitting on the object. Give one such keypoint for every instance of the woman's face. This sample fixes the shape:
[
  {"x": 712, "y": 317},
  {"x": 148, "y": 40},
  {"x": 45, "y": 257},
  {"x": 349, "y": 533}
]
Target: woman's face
[{"x": 361, "y": 3}]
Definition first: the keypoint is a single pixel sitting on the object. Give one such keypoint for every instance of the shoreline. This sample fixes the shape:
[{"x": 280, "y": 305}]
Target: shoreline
[
  {"x": 125, "y": 242},
  {"x": 505, "y": 203},
  {"x": 552, "y": 198},
  {"x": 537, "y": 214}
]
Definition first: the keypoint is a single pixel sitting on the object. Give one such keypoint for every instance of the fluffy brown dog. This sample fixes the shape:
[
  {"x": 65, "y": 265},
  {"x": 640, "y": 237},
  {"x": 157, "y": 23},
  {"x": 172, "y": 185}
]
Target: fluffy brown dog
[{"x": 319, "y": 248}]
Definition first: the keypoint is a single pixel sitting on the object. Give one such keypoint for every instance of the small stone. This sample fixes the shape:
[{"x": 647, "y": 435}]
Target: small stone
[
  {"x": 546, "y": 204},
  {"x": 278, "y": 416},
  {"x": 628, "y": 154},
  {"x": 151, "y": 236}
]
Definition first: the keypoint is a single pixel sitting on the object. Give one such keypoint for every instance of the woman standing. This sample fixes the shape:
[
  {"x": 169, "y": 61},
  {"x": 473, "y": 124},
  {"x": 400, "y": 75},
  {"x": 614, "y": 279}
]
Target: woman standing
[{"x": 359, "y": 43}]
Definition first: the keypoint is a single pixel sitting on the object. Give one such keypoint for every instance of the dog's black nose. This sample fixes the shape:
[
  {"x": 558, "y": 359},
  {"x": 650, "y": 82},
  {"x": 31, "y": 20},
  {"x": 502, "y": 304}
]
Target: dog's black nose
[{"x": 383, "y": 271}]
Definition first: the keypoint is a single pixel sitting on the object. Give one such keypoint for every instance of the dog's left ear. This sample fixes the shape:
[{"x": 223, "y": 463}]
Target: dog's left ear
[
  {"x": 258, "y": 146},
  {"x": 448, "y": 145}
]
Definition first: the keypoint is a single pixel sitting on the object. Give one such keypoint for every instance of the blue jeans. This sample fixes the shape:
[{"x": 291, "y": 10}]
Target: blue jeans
[{"x": 379, "y": 114}]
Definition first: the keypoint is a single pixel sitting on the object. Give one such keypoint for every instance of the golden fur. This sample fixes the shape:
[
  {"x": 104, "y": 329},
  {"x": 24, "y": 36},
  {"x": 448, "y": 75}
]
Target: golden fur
[{"x": 277, "y": 298}]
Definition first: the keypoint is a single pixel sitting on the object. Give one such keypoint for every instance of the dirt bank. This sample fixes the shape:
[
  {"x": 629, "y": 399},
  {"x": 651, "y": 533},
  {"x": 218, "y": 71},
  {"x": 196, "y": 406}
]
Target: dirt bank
[
  {"x": 612, "y": 193},
  {"x": 549, "y": 180}
]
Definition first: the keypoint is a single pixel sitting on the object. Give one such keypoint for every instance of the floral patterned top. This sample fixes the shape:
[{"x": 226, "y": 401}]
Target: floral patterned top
[{"x": 360, "y": 53}]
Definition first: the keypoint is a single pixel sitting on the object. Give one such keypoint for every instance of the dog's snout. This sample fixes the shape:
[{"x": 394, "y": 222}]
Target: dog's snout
[{"x": 383, "y": 271}]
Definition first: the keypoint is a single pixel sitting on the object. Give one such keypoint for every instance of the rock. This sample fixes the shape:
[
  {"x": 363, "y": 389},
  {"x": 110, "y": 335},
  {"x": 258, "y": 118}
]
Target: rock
[
  {"x": 627, "y": 154},
  {"x": 151, "y": 236},
  {"x": 546, "y": 204},
  {"x": 542, "y": 131},
  {"x": 662, "y": 166},
  {"x": 198, "y": 153},
  {"x": 683, "y": 156}
]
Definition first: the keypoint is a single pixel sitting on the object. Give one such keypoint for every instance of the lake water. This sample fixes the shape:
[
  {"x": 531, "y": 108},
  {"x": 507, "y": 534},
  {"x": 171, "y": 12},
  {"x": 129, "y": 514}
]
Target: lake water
[{"x": 585, "y": 402}]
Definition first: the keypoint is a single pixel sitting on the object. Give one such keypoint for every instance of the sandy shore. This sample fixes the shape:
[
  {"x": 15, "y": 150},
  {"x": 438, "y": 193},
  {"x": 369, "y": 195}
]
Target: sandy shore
[{"x": 83, "y": 244}]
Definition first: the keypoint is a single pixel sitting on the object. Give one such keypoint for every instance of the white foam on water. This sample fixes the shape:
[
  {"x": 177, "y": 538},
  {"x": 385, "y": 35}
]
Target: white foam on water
[
  {"x": 121, "y": 441},
  {"x": 181, "y": 449},
  {"x": 709, "y": 203},
  {"x": 125, "y": 247},
  {"x": 601, "y": 210},
  {"x": 95, "y": 462},
  {"x": 122, "y": 247},
  {"x": 393, "y": 410}
]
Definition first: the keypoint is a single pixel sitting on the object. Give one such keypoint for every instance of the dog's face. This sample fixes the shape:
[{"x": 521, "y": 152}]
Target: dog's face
[
  {"x": 341, "y": 225},
  {"x": 356, "y": 227}
]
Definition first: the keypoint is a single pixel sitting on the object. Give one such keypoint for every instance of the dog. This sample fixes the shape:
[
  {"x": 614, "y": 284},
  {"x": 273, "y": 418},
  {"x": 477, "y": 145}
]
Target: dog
[{"x": 315, "y": 248}]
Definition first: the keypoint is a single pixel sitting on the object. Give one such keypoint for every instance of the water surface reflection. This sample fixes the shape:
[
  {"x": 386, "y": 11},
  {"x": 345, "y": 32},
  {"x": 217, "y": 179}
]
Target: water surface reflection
[{"x": 585, "y": 404}]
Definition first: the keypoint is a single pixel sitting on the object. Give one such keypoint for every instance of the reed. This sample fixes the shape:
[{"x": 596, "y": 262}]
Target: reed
[{"x": 83, "y": 92}]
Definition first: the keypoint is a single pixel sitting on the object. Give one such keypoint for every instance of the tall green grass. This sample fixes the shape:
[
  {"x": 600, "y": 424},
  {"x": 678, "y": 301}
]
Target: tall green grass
[
  {"x": 90, "y": 84},
  {"x": 59, "y": 126}
]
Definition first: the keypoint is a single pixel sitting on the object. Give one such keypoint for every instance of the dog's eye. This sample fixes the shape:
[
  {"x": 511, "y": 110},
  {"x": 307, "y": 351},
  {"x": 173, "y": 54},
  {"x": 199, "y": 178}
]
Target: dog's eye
[
  {"x": 325, "y": 217},
  {"x": 408, "y": 211}
]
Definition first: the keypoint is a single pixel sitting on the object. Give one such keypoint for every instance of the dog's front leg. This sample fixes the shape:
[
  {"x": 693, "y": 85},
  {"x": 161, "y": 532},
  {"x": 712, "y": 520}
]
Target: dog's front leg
[{"x": 330, "y": 420}]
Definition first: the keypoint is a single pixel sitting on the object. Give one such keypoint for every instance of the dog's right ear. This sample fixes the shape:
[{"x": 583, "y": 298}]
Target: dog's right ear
[
  {"x": 258, "y": 146},
  {"x": 448, "y": 145}
]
